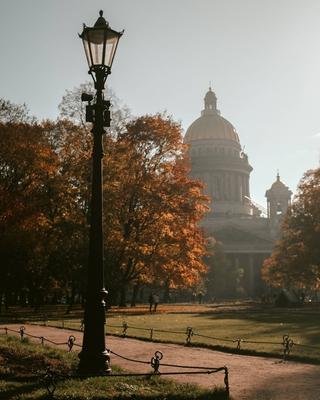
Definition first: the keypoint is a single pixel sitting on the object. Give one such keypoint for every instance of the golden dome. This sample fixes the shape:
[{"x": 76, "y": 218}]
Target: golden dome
[{"x": 211, "y": 125}]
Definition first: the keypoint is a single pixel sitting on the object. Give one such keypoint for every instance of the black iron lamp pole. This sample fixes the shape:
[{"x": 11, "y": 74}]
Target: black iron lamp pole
[{"x": 100, "y": 44}]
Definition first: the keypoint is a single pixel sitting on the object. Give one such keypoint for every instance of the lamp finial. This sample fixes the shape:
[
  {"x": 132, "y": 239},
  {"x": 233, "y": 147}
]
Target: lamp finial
[{"x": 101, "y": 21}]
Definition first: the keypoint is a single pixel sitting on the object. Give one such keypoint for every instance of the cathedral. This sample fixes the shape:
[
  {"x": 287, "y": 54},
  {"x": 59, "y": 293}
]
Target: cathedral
[{"x": 247, "y": 232}]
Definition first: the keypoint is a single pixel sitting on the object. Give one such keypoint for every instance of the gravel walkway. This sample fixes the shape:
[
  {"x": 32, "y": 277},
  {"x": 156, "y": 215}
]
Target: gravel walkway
[{"x": 251, "y": 378}]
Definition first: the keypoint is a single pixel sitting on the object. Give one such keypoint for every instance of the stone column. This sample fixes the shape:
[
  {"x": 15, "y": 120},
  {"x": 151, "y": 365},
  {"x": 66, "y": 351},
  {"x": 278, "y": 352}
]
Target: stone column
[
  {"x": 251, "y": 275},
  {"x": 225, "y": 186},
  {"x": 247, "y": 184},
  {"x": 240, "y": 190},
  {"x": 228, "y": 191},
  {"x": 245, "y": 192}
]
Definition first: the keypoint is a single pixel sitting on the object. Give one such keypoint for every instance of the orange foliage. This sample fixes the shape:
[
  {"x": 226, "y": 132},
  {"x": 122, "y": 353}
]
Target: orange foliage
[
  {"x": 152, "y": 208},
  {"x": 295, "y": 261}
]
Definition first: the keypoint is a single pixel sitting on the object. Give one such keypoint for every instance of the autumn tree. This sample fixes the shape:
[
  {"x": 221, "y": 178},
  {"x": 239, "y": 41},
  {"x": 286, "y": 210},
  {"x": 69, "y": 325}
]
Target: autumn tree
[
  {"x": 145, "y": 173},
  {"x": 43, "y": 237},
  {"x": 73, "y": 145},
  {"x": 295, "y": 261},
  {"x": 152, "y": 207},
  {"x": 27, "y": 168}
]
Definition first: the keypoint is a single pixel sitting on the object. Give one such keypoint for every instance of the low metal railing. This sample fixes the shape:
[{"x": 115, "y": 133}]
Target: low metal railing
[{"x": 50, "y": 378}]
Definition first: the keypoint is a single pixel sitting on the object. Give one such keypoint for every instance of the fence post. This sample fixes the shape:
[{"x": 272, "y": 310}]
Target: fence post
[
  {"x": 70, "y": 342},
  {"x": 226, "y": 381},
  {"x": 287, "y": 345},
  {"x": 124, "y": 328},
  {"x": 155, "y": 361},
  {"x": 21, "y": 330},
  {"x": 238, "y": 341},
  {"x": 189, "y": 334}
]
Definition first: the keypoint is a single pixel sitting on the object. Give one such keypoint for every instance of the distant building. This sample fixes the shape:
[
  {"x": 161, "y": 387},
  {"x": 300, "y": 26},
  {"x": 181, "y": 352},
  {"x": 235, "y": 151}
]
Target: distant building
[{"x": 245, "y": 230}]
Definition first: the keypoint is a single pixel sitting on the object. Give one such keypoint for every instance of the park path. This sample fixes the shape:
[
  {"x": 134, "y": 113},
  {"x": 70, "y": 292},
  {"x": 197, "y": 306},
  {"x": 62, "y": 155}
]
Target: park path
[{"x": 250, "y": 377}]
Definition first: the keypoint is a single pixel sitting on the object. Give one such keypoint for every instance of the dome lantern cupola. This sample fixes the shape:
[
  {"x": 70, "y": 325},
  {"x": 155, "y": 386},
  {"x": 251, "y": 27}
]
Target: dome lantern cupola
[
  {"x": 211, "y": 125},
  {"x": 210, "y": 101}
]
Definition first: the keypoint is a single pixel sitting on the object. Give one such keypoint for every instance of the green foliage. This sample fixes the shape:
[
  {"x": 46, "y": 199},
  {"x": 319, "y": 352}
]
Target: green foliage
[{"x": 223, "y": 279}]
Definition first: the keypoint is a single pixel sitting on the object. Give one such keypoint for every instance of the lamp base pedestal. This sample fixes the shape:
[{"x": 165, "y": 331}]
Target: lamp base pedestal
[{"x": 94, "y": 364}]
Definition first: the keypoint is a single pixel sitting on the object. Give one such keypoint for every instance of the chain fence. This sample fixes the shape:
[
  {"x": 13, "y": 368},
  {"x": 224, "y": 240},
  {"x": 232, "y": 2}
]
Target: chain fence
[
  {"x": 189, "y": 336},
  {"x": 50, "y": 378},
  {"x": 285, "y": 344}
]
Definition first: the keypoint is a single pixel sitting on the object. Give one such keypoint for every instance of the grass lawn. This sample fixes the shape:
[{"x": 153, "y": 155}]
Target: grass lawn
[
  {"x": 21, "y": 366},
  {"x": 233, "y": 320},
  {"x": 247, "y": 321}
]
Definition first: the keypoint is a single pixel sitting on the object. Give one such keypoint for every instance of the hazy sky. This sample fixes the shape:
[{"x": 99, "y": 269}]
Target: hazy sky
[{"x": 262, "y": 57}]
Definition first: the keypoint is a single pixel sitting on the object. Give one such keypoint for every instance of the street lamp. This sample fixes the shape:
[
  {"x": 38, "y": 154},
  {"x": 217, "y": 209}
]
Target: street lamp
[{"x": 100, "y": 44}]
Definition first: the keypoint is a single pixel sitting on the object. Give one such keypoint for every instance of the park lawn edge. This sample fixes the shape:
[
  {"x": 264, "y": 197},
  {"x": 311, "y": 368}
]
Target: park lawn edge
[
  {"x": 15, "y": 383},
  {"x": 215, "y": 347},
  {"x": 225, "y": 349}
]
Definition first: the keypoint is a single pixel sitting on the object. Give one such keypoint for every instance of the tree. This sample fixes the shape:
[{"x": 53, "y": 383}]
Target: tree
[
  {"x": 13, "y": 113},
  {"x": 43, "y": 224},
  {"x": 152, "y": 207},
  {"x": 27, "y": 167},
  {"x": 73, "y": 109},
  {"x": 295, "y": 261},
  {"x": 223, "y": 279}
]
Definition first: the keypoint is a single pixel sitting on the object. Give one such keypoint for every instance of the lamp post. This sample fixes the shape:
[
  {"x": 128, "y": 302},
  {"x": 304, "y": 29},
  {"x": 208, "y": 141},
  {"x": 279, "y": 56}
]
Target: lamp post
[{"x": 100, "y": 44}]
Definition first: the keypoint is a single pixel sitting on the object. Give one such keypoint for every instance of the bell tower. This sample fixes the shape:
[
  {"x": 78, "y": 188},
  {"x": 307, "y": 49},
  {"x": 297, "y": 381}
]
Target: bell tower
[{"x": 278, "y": 200}]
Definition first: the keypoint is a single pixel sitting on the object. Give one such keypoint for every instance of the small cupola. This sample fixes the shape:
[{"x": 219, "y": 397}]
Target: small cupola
[
  {"x": 278, "y": 199},
  {"x": 210, "y": 101}
]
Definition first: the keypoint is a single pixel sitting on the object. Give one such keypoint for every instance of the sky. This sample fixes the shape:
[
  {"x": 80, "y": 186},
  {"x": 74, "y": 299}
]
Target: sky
[{"x": 261, "y": 57}]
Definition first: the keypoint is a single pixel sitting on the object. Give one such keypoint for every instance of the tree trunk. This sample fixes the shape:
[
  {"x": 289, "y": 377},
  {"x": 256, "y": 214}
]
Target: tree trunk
[
  {"x": 123, "y": 296},
  {"x": 166, "y": 294},
  {"x": 141, "y": 295},
  {"x": 135, "y": 292},
  {"x": 6, "y": 300}
]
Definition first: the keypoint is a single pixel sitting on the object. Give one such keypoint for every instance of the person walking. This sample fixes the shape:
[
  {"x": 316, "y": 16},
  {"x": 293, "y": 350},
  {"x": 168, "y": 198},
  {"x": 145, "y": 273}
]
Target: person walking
[{"x": 156, "y": 302}]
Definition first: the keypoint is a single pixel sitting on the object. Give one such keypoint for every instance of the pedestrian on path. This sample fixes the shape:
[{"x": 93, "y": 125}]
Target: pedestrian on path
[{"x": 156, "y": 302}]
